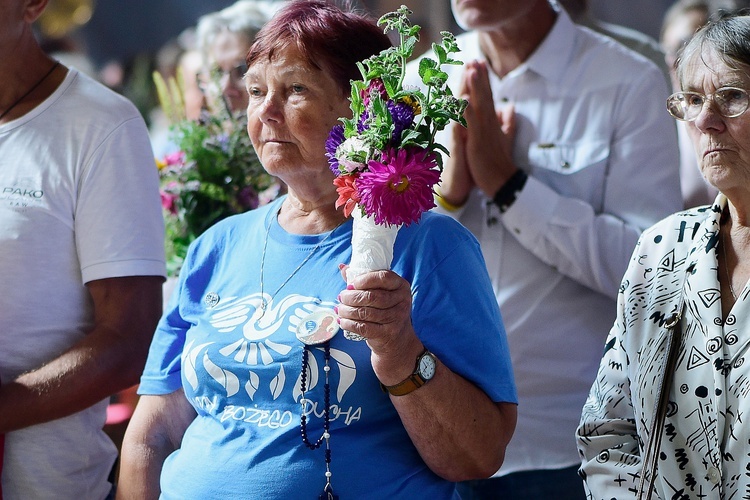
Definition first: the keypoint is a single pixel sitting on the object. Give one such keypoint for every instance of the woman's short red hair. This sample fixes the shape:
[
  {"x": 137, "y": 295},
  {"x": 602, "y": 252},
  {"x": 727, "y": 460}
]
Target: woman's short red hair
[{"x": 333, "y": 39}]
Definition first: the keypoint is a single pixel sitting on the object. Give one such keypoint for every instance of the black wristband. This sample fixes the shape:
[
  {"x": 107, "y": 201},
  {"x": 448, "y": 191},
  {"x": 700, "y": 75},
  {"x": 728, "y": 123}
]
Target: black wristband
[{"x": 507, "y": 193}]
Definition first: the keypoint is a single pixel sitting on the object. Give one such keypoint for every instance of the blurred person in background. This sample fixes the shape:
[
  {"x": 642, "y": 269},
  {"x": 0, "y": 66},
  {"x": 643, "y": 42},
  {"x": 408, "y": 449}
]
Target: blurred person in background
[
  {"x": 633, "y": 39},
  {"x": 82, "y": 245},
  {"x": 182, "y": 56},
  {"x": 224, "y": 38}
]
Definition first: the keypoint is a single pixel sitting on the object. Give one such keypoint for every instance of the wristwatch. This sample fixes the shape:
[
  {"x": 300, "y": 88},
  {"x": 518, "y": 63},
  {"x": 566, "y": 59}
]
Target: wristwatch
[
  {"x": 508, "y": 192},
  {"x": 423, "y": 373}
]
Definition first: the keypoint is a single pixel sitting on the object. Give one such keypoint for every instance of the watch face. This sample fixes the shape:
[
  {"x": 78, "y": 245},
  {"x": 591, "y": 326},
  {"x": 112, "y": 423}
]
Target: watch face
[{"x": 427, "y": 366}]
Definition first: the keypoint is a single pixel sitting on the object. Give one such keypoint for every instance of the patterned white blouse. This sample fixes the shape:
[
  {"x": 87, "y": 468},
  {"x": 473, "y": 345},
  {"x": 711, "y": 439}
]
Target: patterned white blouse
[{"x": 705, "y": 448}]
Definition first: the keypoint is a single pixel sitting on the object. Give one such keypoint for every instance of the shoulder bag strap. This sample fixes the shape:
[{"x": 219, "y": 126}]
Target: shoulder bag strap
[{"x": 651, "y": 458}]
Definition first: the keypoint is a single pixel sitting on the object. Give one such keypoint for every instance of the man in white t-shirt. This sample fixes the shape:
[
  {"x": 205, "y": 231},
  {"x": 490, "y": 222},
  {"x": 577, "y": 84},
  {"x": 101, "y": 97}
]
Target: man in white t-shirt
[{"x": 81, "y": 261}]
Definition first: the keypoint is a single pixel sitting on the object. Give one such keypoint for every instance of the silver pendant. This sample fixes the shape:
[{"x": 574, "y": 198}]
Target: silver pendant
[{"x": 318, "y": 328}]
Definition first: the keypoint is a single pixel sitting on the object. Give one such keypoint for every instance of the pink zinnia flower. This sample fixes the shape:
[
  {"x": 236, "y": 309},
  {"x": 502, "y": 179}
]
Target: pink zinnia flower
[
  {"x": 398, "y": 189},
  {"x": 348, "y": 195}
]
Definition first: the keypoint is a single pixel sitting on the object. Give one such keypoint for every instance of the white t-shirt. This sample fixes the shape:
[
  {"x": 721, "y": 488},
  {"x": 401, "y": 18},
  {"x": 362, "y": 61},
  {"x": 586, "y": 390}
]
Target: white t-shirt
[{"x": 78, "y": 202}]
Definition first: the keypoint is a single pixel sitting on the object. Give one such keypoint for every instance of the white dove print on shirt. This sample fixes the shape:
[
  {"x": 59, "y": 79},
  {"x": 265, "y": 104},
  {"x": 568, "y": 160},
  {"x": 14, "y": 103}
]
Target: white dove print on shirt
[{"x": 255, "y": 346}]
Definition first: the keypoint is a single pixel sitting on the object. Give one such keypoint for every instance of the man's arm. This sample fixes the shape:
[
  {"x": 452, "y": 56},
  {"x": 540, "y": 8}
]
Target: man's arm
[
  {"x": 108, "y": 359},
  {"x": 587, "y": 240}
]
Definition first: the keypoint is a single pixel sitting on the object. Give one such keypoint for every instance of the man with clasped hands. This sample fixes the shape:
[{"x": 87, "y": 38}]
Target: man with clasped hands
[{"x": 556, "y": 180}]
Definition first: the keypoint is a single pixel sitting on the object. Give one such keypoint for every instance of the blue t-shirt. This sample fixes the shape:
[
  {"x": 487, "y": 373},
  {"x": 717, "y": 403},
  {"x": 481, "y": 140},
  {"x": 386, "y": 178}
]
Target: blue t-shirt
[{"x": 240, "y": 367}]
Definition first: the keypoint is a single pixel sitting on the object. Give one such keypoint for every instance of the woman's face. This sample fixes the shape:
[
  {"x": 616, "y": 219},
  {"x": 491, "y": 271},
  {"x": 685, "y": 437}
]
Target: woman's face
[
  {"x": 722, "y": 144},
  {"x": 292, "y": 108}
]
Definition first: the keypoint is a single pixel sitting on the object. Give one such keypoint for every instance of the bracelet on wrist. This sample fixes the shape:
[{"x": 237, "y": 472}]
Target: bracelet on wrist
[
  {"x": 506, "y": 195},
  {"x": 443, "y": 203}
]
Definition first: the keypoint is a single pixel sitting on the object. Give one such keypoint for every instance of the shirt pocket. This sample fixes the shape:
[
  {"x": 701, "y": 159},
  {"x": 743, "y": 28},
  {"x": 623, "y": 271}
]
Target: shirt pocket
[{"x": 572, "y": 169}]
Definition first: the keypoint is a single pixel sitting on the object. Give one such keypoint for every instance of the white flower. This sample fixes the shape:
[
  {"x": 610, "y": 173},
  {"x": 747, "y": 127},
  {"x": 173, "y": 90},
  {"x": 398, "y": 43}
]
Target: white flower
[{"x": 354, "y": 148}]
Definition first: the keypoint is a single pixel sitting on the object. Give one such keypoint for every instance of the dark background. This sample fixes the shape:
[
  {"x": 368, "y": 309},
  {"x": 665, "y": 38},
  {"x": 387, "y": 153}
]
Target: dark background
[
  {"x": 121, "y": 43},
  {"x": 120, "y": 29}
]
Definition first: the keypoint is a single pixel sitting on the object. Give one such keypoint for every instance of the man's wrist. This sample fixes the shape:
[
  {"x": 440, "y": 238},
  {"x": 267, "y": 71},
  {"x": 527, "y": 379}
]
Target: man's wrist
[
  {"x": 506, "y": 195},
  {"x": 445, "y": 204}
]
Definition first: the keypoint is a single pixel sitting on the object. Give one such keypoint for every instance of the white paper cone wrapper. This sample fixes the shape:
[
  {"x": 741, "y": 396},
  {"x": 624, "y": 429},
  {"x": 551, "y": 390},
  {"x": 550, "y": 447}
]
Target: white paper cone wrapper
[{"x": 372, "y": 246}]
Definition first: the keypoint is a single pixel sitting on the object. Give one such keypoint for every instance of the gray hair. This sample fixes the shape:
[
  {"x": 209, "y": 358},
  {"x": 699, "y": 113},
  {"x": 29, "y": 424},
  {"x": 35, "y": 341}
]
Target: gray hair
[
  {"x": 245, "y": 17},
  {"x": 728, "y": 37}
]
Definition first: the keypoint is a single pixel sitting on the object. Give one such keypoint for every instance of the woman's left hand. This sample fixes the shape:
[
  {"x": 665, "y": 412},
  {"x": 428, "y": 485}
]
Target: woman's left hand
[{"x": 377, "y": 306}]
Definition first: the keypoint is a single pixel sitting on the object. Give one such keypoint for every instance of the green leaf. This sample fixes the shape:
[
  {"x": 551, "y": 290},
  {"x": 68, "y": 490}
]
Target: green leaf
[{"x": 440, "y": 52}]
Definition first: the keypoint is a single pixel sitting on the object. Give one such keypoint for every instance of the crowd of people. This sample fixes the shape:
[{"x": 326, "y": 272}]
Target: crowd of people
[{"x": 565, "y": 323}]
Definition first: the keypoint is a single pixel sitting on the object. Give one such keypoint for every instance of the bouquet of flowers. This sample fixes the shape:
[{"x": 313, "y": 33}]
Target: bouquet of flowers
[
  {"x": 385, "y": 157},
  {"x": 214, "y": 174}
]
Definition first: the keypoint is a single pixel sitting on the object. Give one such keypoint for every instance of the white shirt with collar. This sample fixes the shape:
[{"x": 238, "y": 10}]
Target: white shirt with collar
[{"x": 601, "y": 153}]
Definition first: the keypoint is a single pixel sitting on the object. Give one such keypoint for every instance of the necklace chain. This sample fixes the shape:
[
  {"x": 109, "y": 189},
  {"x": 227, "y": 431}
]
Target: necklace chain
[
  {"x": 32, "y": 89},
  {"x": 263, "y": 304},
  {"x": 325, "y": 437},
  {"x": 726, "y": 265}
]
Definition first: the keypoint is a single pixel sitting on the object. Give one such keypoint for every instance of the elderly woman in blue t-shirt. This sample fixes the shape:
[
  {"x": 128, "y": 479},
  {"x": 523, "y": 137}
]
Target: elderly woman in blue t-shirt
[{"x": 250, "y": 391}]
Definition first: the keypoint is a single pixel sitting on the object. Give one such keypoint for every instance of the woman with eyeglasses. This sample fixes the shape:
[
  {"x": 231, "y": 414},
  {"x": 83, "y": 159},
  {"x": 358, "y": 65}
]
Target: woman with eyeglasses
[
  {"x": 668, "y": 413},
  {"x": 224, "y": 38}
]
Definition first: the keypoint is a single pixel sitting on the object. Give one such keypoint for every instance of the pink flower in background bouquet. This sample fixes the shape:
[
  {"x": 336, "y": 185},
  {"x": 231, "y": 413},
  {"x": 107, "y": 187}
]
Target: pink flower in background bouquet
[{"x": 385, "y": 157}]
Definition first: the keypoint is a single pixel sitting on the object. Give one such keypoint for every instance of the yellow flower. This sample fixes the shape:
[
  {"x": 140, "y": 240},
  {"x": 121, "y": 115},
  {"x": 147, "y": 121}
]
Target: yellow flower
[{"x": 414, "y": 103}]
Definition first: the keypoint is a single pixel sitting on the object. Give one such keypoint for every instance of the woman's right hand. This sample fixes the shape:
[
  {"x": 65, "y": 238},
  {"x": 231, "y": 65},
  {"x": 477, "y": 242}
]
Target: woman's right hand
[{"x": 377, "y": 306}]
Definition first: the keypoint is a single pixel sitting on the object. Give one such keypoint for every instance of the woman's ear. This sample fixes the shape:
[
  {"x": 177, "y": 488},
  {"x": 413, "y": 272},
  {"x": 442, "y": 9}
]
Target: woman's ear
[{"x": 33, "y": 9}]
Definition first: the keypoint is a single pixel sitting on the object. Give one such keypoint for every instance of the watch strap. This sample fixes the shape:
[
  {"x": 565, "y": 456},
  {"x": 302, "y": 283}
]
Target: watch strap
[
  {"x": 506, "y": 195},
  {"x": 411, "y": 383}
]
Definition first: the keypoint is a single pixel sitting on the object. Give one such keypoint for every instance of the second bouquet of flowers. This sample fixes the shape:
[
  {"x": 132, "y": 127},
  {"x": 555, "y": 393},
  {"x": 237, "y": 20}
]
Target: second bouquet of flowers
[
  {"x": 214, "y": 173},
  {"x": 385, "y": 157}
]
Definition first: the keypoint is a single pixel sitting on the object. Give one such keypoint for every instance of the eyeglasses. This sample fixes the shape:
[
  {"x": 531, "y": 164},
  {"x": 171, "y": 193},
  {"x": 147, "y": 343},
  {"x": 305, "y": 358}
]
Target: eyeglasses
[
  {"x": 235, "y": 74},
  {"x": 686, "y": 106},
  {"x": 217, "y": 74}
]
